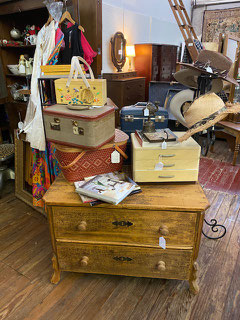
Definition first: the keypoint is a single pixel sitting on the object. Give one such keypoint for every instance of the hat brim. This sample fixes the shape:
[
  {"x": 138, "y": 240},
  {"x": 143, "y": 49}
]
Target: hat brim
[
  {"x": 191, "y": 66},
  {"x": 231, "y": 108},
  {"x": 188, "y": 77}
]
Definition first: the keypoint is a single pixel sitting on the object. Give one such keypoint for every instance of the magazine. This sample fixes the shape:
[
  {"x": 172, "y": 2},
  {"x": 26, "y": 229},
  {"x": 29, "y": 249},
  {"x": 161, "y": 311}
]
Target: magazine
[
  {"x": 120, "y": 176},
  {"x": 106, "y": 187}
]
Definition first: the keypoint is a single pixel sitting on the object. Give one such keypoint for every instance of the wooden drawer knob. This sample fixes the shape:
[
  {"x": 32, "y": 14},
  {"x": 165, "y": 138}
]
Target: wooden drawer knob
[
  {"x": 161, "y": 266},
  {"x": 163, "y": 230},
  {"x": 84, "y": 261},
  {"x": 82, "y": 226}
]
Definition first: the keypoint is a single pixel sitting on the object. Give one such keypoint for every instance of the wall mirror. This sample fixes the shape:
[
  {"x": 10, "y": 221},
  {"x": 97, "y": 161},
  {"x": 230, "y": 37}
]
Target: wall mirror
[{"x": 118, "y": 50}]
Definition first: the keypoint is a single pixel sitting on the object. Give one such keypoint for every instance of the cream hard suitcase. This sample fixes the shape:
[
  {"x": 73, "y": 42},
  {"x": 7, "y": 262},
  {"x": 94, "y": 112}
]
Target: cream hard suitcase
[
  {"x": 87, "y": 129},
  {"x": 80, "y": 92}
]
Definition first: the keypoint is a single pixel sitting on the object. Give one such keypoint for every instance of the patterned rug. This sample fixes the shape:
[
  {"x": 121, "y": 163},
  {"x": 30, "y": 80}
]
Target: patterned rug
[{"x": 219, "y": 176}]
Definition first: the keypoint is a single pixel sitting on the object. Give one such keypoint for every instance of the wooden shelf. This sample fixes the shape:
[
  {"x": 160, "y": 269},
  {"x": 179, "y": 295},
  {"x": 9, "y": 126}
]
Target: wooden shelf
[
  {"x": 28, "y": 46},
  {"x": 11, "y": 75},
  {"x": 22, "y": 103}
]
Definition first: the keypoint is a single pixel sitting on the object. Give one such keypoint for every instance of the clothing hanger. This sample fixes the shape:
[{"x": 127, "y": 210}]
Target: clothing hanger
[
  {"x": 50, "y": 19},
  {"x": 67, "y": 16}
]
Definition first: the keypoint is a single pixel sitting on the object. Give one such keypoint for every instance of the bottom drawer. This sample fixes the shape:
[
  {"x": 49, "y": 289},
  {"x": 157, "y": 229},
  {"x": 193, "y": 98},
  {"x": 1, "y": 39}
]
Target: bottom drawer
[
  {"x": 124, "y": 260},
  {"x": 165, "y": 175}
]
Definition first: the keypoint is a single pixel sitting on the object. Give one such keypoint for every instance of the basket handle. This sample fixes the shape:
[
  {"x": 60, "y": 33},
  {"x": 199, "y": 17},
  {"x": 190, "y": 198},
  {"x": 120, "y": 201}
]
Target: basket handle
[
  {"x": 83, "y": 153},
  {"x": 74, "y": 161}
]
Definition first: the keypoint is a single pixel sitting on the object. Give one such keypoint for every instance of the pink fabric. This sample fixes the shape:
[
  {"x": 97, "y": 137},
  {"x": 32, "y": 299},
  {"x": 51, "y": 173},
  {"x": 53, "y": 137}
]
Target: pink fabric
[
  {"x": 58, "y": 36},
  {"x": 89, "y": 54}
]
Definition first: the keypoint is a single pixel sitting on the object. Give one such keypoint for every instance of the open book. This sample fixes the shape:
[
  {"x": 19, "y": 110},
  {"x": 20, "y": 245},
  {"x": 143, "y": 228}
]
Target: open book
[{"x": 106, "y": 187}]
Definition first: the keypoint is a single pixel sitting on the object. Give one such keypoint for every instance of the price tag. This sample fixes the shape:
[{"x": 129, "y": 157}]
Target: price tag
[
  {"x": 159, "y": 165},
  {"x": 115, "y": 157},
  {"x": 146, "y": 112},
  {"x": 164, "y": 145},
  {"x": 20, "y": 125},
  {"x": 162, "y": 243},
  {"x": 209, "y": 69}
]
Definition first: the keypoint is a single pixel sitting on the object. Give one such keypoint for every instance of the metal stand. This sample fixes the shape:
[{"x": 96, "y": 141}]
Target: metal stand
[
  {"x": 214, "y": 226},
  {"x": 204, "y": 86}
]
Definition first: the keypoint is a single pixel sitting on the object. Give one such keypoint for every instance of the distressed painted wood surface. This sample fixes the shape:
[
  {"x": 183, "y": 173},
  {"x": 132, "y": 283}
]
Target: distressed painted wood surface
[
  {"x": 128, "y": 226},
  {"x": 154, "y": 197},
  {"x": 124, "y": 260}
]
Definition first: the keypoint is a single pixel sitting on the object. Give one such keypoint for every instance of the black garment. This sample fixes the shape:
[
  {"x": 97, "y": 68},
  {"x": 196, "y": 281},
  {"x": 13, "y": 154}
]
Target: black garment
[{"x": 73, "y": 46}]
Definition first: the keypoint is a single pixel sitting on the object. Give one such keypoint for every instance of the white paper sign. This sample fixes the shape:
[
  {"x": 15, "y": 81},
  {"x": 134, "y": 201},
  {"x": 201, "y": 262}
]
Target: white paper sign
[
  {"x": 162, "y": 243},
  {"x": 115, "y": 157},
  {"x": 164, "y": 145},
  {"x": 146, "y": 112}
]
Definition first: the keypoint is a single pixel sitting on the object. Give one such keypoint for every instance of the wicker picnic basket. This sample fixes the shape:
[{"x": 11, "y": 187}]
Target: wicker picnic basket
[{"x": 77, "y": 164}]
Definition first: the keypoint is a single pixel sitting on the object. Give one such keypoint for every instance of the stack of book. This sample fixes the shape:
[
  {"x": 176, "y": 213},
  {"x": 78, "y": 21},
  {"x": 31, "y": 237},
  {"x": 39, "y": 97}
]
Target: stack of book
[{"x": 110, "y": 187}]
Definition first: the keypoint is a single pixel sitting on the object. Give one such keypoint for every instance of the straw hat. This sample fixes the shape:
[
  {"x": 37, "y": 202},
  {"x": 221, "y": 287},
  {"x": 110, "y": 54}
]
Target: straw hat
[
  {"x": 213, "y": 63},
  {"x": 178, "y": 102},
  {"x": 189, "y": 78},
  {"x": 204, "y": 112}
]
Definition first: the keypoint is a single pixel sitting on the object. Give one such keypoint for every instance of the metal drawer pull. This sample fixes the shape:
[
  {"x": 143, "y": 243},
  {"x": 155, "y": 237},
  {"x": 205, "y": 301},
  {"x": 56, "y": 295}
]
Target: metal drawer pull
[
  {"x": 167, "y": 155},
  {"x": 123, "y": 259},
  {"x": 168, "y": 165},
  {"x": 84, "y": 261},
  {"x": 161, "y": 266},
  {"x": 82, "y": 226},
  {"x": 167, "y": 177},
  {"x": 163, "y": 230},
  {"x": 122, "y": 223}
]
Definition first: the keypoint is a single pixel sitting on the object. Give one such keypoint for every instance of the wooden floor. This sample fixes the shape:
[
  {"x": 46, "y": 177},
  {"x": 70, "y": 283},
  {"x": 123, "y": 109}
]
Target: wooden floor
[{"x": 25, "y": 271}]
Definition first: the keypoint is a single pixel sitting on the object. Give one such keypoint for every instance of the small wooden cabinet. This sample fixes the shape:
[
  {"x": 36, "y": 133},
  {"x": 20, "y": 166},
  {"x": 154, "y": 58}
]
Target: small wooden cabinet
[
  {"x": 155, "y": 62},
  {"x": 125, "y": 88},
  {"x": 124, "y": 239}
]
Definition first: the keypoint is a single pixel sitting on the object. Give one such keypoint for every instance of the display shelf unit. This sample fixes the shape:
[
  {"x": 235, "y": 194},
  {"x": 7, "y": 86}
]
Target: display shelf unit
[{"x": 28, "y": 12}]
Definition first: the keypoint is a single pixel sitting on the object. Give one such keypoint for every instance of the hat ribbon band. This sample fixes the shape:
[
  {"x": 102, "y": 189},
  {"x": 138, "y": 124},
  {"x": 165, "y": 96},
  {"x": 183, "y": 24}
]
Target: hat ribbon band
[
  {"x": 204, "y": 66},
  {"x": 205, "y": 120}
]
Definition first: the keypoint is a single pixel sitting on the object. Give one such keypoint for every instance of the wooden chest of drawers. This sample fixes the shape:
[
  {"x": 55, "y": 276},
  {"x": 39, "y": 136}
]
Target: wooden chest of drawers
[
  {"x": 177, "y": 167},
  {"x": 124, "y": 239},
  {"x": 126, "y": 91}
]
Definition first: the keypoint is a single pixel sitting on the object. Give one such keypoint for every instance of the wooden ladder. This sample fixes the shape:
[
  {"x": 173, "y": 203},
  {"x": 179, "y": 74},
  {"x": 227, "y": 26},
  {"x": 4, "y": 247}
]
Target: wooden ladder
[{"x": 185, "y": 26}]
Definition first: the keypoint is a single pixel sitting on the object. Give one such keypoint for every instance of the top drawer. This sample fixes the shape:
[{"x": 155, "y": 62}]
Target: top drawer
[{"x": 128, "y": 226}]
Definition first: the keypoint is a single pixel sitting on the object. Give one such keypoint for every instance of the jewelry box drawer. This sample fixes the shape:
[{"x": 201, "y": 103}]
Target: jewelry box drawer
[
  {"x": 165, "y": 175},
  {"x": 172, "y": 154},
  {"x": 124, "y": 260},
  {"x": 168, "y": 164},
  {"x": 128, "y": 226}
]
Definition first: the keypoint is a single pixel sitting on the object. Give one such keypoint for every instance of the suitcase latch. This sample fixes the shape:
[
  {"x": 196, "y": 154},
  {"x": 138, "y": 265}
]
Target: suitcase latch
[
  {"x": 76, "y": 129},
  {"x": 159, "y": 118},
  {"x": 55, "y": 125},
  {"x": 129, "y": 118}
]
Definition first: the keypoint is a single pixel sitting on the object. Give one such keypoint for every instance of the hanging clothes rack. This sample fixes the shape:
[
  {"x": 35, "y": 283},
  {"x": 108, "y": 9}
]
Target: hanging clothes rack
[{"x": 67, "y": 16}]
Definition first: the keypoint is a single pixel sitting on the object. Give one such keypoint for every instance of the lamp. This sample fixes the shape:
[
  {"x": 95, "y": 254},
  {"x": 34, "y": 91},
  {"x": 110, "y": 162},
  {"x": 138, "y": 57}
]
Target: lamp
[{"x": 130, "y": 52}]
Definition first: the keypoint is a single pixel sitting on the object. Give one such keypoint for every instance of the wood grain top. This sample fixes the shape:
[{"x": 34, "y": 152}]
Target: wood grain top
[
  {"x": 230, "y": 125},
  {"x": 187, "y": 197}
]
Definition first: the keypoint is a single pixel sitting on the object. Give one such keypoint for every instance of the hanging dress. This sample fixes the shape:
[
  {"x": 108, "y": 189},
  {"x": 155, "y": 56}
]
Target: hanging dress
[{"x": 45, "y": 167}]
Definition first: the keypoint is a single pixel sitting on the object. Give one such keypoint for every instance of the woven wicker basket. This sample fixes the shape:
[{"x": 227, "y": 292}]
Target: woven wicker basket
[{"x": 77, "y": 164}]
